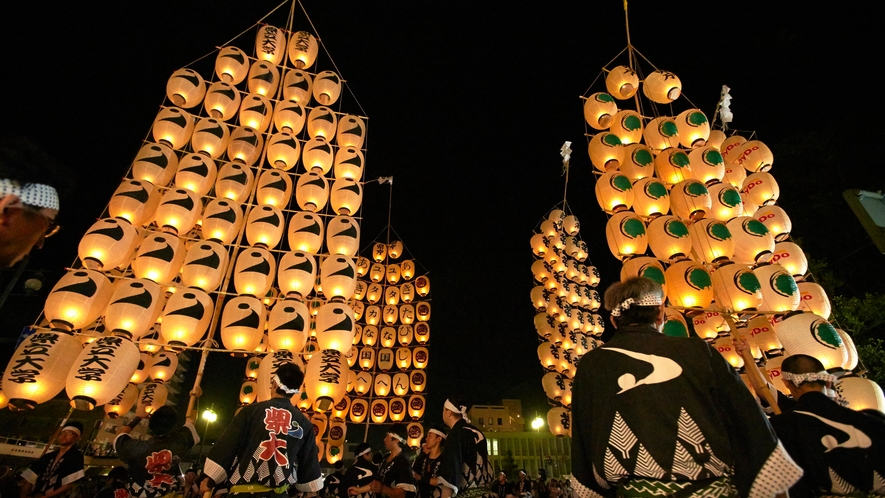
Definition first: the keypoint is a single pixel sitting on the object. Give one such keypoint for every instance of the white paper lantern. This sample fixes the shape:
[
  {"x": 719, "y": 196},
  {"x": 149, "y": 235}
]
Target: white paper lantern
[
  {"x": 38, "y": 368},
  {"x": 101, "y": 371}
]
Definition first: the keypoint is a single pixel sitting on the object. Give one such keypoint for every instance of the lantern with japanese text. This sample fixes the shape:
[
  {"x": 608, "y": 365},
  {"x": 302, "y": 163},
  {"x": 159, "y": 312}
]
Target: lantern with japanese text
[
  {"x": 622, "y": 82},
  {"x": 302, "y": 49},
  {"x": 662, "y": 87},
  {"x": 326, "y": 378},
  {"x": 101, "y": 371},
  {"x": 151, "y": 397},
  {"x": 559, "y": 421},
  {"x": 38, "y": 368},
  {"x": 268, "y": 367},
  {"x": 77, "y": 299},
  {"x": 122, "y": 403}
]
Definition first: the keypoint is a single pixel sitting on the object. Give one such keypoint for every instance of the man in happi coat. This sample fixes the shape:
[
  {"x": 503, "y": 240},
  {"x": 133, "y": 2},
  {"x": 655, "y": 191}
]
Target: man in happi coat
[
  {"x": 465, "y": 469},
  {"x": 394, "y": 479},
  {"x": 842, "y": 451},
  {"x": 428, "y": 484},
  {"x": 360, "y": 474},
  {"x": 55, "y": 473},
  {"x": 662, "y": 416},
  {"x": 268, "y": 447},
  {"x": 154, "y": 464},
  {"x": 332, "y": 484}
]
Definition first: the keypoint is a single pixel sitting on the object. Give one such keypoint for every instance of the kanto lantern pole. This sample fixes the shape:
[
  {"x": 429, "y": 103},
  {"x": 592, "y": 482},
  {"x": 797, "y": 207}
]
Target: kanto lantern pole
[{"x": 757, "y": 379}]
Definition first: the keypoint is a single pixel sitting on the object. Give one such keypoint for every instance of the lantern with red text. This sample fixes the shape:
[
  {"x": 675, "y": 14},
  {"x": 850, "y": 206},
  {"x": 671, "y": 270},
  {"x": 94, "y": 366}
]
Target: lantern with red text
[
  {"x": 791, "y": 257},
  {"x": 814, "y": 299},
  {"x": 37, "y": 370},
  {"x": 186, "y": 317},
  {"x": 761, "y": 188},
  {"x": 726, "y": 348},
  {"x": 77, "y": 299},
  {"x": 763, "y": 334},
  {"x": 776, "y": 220},
  {"x": 709, "y": 325},
  {"x": 101, "y": 371}
]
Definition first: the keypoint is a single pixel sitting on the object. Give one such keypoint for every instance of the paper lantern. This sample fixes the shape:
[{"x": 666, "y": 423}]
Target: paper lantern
[
  {"x": 325, "y": 379},
  {"x": 662, "y": 87},
  {"x": 776, "y": 220},
  {"x": 242, "y": 323},
  {"x": 711, "y": 241},
  {"x": 343, "y": 236},
  {"x": 420, "y": 357},
  {"x": 627, "y": 126},
  {"x": 283, "y": 151},
  {"x": 305, "y": 232},
  {"x": 559, "y": 421},
  {"x": 807, "y": 333},
  {"x": 393, "y": 273},
  {"x": 403, "y": 358},
  {"x": 135, "y": 201},
  {"x": 346, "y": 196},
  {"x": 422, "y": 285},
  {"x": 248, "y": 392},
  {"x": 245, "y": 145},
  {"x": 379, "y": 411},
  {"x": 851, "y": 359},
  {"x": 322, "y": 123},
  {"x": 100, "y": 372},
  {"x": 651, "y": 197},
  {"x": 178, "y": 211},
  {"x": 359, "y": 408},
  {"x": 142, "y": 370},
  {"x": 397, "y": 409},
  {"x": 186, "y": 317},
  {"x": 211, "y": 137},
  {"x": 693, "y": 128},
  {"x": 204, "y": 266},
  {"x": 554, "y": 385},
  {"x": 779, "y": 290},
  {"x": 730, "y": 146},
  {"x": 289, "y": 117},
  {"x": 626, "y": 236},
  {"x": 689, "y": 285},
  {"x": 614, "y": 192},
  {"x": 338, "y": 275},
  {"x": 761, "y": 189},
  {"x": 736, "y": 287},
  {"x": 254, "y": 271},
  {"x": 234, "y": 181},
  {"x": 622, "y": 82},
  {"x": 404, "y": 335},
  {"x": 668, "y": 238},
  {"x": 416, "y": 406},
  {"x": 173, "y": 127},
  {"x": 673, "y": 166},
  {"x": 151, "y": 397},
  {"x": 764, "y": 335},
  {"x": 163, "y": 366},
  {"x": 312, "y": 190},
  {"x": 297, "y": 272},
  {"x": 638, "y": 162},
  {"x": 599, "y": 109},
  {"x": 391, "y": 296},
  {"x": 752, "y": 155},
  {"x": 605, "y": 151},
  {"x": 861, "y": 394},
  {"x": 791, "y": 257},
  {"x": 734, "y": 175},
  {"x": 297, "y": 86},
  {"x": 222, "y": 100},
  {"x": 196, "y": 172},
  {"x": 221, "y": 221},
  {"x": 340, "y": 410},
  {"x": 351, "y": 132},
  {"x": 287, "y": 326},
  {"x": 752, "y": 240},
  {"x": 263, "y": 79},
  {"x": 674, "y": 324},
  {"x": 264, "y": 226},
  {"x": 726, "y": 349},
  {"x": 548, "y": 354},
  {"x": 91, "y": 332},
  {"x": 78, "y": 299},
  {"x": 385, "y": 358},
  {"x": 690, "y": 200},
  {"x": 706, "y": 164},
  {"x": 152, "y": 341},
  {"x": 134, "y": 307},
  {"x": 709, "y": 325},
  {"x": 155, "y": 163},
  {"x": 725, "y": 202},
  {"x": 302, "y": 50},
  {"x": 252, "y": 365},
  {"x": 326, "y": 87},
  {"x": 270, "y": 44},
  {"x": 814, "y": 299},
  {"x": 661, "y": 133},
  {"x": 349, "y": 162},
  {"x": 108, "y": 244},
  {"x": 422, "y": 310},
  {"x": 382, "y": 384},
  {"x": 268, "y": 367},
  {"x": 319, "y": 422},
  {"x": 122, "y": 403},
  {"x": 335, "y": 327},
  {"x": 37, "y": 370},
  {"x": 417, "y": 382},
  {"x": 231, "y": 65},
  {"x": 422, "y": 332}
]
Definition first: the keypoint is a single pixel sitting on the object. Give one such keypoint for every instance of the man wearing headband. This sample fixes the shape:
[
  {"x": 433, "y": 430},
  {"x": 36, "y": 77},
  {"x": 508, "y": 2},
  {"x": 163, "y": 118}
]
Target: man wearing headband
[
  {"x": 332, "y": 484},
  {"x": 465, "y": 469},
  {"x": 154, "y": 463},
  {"x": 394, "y": 478},
  {"x": 28, "y": 203},
  {"x": 428, "y": 485},
  {"x": 667, "y": 416},
  {"x": 269, "y": 446},
  {"x": 841, "y": 450},
  {"x": 360, "y": 474},
  {"x": 55, "y": 473}
]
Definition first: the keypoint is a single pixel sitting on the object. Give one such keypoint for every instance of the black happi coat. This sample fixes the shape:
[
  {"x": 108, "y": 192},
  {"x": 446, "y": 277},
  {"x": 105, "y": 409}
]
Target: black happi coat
[
  {"x": 428, "y": 470},
  {"x": 154, "y": 464},
  {"x": 46, "y": 474},
  {"x": 841, "y": 451},
  {"x": 502, "y": 489},
  {"x": 465, "y": 459},
  {"x": 269, "y": 443},
  {"x": 359, "y": 474},
  {"x": 650, "y": 406},
  {"x": 397, "y": 473},
  {"x": 332, "y": 484},
  {"x": 520, "y": 487}
]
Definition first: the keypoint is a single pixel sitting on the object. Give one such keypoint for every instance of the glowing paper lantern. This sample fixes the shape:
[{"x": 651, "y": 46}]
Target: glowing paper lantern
[
  {"x": 851, "y": 359},
  {"x": 245, "y": 145},
  {"x": 152, "y": 341},
  {"x": 211, "y": 137},
  {"x": 690, "y": 200},
  {"x": 178, "y": 210},
  {"x": 288, "y": 117},
  {"x": 283, "y": 151},
  {"x": 322, "y": 122},
  {"x": 287, "y": 326},
  {"x": 791, "y": 257},
  {"x": 349, "y": 163},
  {"x": 626, "y": 236},
  {"x": 711, "y": 241},
  {"x": 325, "y": 379},
  {"x": 776, "y": 220},
  {"x": 155, "y": 163},
  {"x": 734, "y": 175},
  {"x": 397, "y": 409},
  {"x": 234, "y": 181},
  {"x": 622, "y": 82},
  {"x": 641, "y": 266},
  {"x": 814, "y": 299},
  {"x": 270, "y": 44},
  {"x": 134, "y": 307},
  {"x": 673, "y": 166},
  {"x": 359, "y": 408},
  {"x": 222, "y": 100},
  {"x": 204, "y": 266},
  {"x": 341, "y": 410},
  {"x": 163, "y": 366},
  {"x": 861, "y": 394},
  {"x": 598, "y": 110},
  {"x": 605, "y": 151},
  {"x": 242, "y": 323},
  {"x": 122, "y": 403},
  {"x": 725, "y": 201},
  {"x": 343, "y": 236},
  {"x": 186, "y": 317},
  {"x": 559, "y": 421},
  {"x": 420, "y": 357},
  {"x": 338, "y": 275},
  {"x": 379, "y": 411},
  {"x": 78, "y": 299},
  {"x": 650, "y": 197},
  {"x": 416, "y": 406},
  {"x": 327, "y": 87},
  {"x": 554, "y": 385},
  {"x": 335, "y": 327},
  {"x": 614, "y": 192},
  {"x": 675, "y": 324},
  {"x": 761, "y": 189},
  {"x": 346, "y": 196},
  {"x": 101, "y": 371},
  {"x": 709, "y": 325},
  {"x": 727, "y": 350},
  {"x": 254, "y": 271},
  {"x": 668, "y": 238},
  {"x": 807, "y": 333},
  {"x": 268, "y": 367},
  {"x": 779, "y": 289},
  {"x": 196, "y": 172},
  {"x": 312, "y": 190},
  {"x": 231, "y": 65},
  {"x": 263, "y": 79},
  {"x": 706, "y": 164},
  {"x": 763, "y": 334},
  {"x": 135, "y": 201},
  {"x": 662, "y": 87},
  {"x": 37, "y": 370},
  {"x": 627, "y": 126},
  {"x": 173, "y": 127},
  {"x": 752, "y": 240},
  {"x": 108, "y": 244},
  {"x": 689, "y": 285},
  {"x": 422, "y": 332},
  {"x": 382, "y": 384},
  {"x": 159, "y": 258},
  {"x": 297, "y": 86},
  {"x": 248, "y": 392},
  {"x": 638, "y": 162},
  {"x": 151, "y": 397},
  {"x": 752, "y": 155},
  {"x": 736, "y": 287},
  {"x": 693, "y": 128},
  {"x": 297, "y": 272},
  {"x": 306, "y": 232},
  {"x": 661, "y": 133},
  {"x": 264, "y": 226},
  {"x": 422, "y": 285},
  {"x": 141, "y": 371},
  {"x": 351, "y": 132},
  {"x": 221, "y": 221}
]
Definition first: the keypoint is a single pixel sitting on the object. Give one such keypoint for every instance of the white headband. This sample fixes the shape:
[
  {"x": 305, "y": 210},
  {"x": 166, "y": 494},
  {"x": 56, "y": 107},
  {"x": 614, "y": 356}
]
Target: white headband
[
  {"x": 437, "y": 432},
  {"x": 276, "y": 378},
  {"x": 396, "y": 436},
  {"x": 797, "y": 379},
  {"x": 32, "y": 194},
  {"x": 647, "y": 299},
  {"x": 72, "y": 429},
  {"x": 367, "y": 450},
  {"x": 462, "y": 410}
]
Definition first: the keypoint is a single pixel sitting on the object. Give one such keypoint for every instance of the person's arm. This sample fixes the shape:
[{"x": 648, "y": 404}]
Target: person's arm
[
  {"x": 450, "y": 465},
  {"x": 310, "y": 477},
  {"x": 126, "y": 429}
]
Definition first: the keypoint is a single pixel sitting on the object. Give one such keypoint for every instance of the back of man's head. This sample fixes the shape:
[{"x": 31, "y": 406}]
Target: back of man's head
[
  {"x": 635, "y": 300},
  {"x": 163, "y": 420},
  {"x": 802, "y": 364},
  {"x": 290, "y": 376},
  {"x": 118, "y": 474}
]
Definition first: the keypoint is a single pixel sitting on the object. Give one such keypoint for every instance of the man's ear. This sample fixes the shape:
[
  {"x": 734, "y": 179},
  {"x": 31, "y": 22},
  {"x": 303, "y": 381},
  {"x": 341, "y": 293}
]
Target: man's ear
[
  {"x": 6, "y": 201},
  {"x": 614, "y": 323}
]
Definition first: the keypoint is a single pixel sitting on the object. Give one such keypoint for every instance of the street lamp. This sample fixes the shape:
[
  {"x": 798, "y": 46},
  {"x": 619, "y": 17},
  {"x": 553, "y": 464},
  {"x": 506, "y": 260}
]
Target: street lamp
[
  {"x": 537, "y": 423},
  {"x": 209, "y": 416}
]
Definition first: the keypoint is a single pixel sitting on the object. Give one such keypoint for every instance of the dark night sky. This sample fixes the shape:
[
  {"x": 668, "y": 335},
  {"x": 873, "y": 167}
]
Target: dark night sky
[{"x": 469, "y": 103}]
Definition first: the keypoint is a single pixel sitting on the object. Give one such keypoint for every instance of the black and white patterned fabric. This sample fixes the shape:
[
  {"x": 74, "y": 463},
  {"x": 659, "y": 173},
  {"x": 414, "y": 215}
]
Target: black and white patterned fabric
[
  {"x": 428, "y": 470},
  {"x": 359, "y": 474},
  {"x": 153, "y": 464},
  {"x": 397, "y": 473},
  {"x": 32, "y": 194},
  {"x": 48, "y": 474},
  {"x": 465, "y": 459}
]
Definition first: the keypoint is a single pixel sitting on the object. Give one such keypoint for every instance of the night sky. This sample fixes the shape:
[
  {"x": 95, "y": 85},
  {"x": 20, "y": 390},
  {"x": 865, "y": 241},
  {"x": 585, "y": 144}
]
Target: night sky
[{"x": 468, "y": 105}]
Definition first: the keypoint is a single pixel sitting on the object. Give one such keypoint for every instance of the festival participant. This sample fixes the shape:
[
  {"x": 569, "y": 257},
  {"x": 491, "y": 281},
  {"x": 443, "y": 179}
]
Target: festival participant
[
  {"x": 28, "y": 201},
  {"x": 268, "y": 447},
  {"x": 501, "y": 487},
  {"x": 418, "y": 464},
  {"x": 115, "y": 484},
  {"x": 154, "y": 463},
  {"x": 55, "y": 473},
  {"x": 360, "y": 474},
  {"x": 428, "y": 485},
  {"x": 523, "y": 485},
  {"x": 666, "y": 415},
  {"x": 465, "y": 468},
  {"x": 394, "y": 474},
  {"x": 332, "y": 484},
  {"x": 841, "y": 451}
]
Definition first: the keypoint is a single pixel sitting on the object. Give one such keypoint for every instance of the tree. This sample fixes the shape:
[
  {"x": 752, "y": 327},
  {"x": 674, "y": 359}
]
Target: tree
[{"x": 508, "y": 465}]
